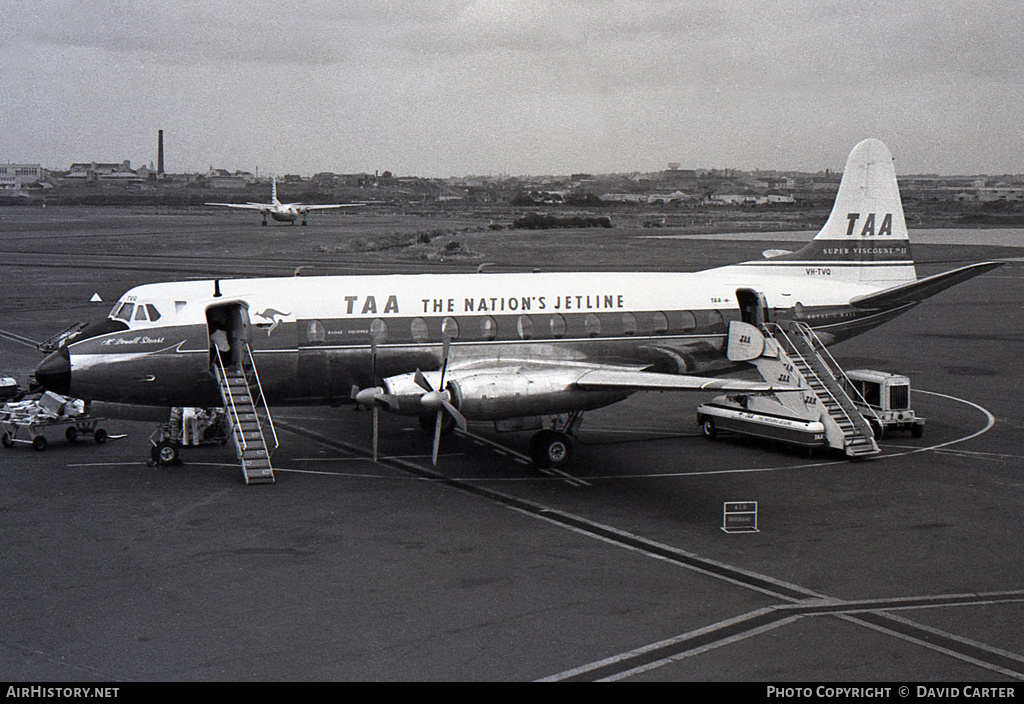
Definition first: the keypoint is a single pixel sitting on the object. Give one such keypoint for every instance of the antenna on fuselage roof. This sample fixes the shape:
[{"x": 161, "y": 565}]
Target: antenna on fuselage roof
[
  {"x": 216, "y": 288},
  {"x": 480, "y": 269}
]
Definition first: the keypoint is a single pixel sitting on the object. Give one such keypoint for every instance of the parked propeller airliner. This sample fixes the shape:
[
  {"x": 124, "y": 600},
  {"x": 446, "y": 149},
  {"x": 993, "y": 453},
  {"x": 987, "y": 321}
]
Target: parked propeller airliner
[
  {"x": 283, "y": 212},
  {"x": 452, "y": 347}
]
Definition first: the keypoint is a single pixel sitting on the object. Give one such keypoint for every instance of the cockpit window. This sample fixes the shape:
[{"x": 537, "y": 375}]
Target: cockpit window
[
  {"x": 140, "y": 313},
  {"x": 154, "y": 314},
  {"x": 124, "y": 312}
]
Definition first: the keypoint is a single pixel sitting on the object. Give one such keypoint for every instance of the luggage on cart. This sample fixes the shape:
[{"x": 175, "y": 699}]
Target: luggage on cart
[{"x": 24, "y": 422}]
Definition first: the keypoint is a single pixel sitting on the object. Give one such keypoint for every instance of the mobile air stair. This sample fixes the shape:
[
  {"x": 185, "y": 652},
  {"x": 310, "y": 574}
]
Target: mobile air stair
[
  {"x": 794, "y": 355},
  {"x": 236, "y": 389}
]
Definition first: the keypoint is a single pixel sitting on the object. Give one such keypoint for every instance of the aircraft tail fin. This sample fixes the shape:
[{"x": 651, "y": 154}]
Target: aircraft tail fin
[
  {"x": 865, "y": 239},
  {"x": 273, "y": 191}
]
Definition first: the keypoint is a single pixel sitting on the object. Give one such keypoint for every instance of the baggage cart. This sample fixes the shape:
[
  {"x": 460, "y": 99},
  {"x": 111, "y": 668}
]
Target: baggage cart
[{"x": 25, "y": 422}]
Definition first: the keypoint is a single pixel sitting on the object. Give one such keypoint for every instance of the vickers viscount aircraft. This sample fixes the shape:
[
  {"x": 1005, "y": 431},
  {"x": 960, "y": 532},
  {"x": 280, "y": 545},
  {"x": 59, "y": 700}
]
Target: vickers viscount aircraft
[
  {"x": 283, "y": 212},
  {"x": 456, "y": 347}
]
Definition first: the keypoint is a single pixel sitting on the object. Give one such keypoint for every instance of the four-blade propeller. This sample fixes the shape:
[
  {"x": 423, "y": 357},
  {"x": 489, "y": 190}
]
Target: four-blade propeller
[
  {"x": 439, "y": 399},
  {"x": 373, "y": 397}
]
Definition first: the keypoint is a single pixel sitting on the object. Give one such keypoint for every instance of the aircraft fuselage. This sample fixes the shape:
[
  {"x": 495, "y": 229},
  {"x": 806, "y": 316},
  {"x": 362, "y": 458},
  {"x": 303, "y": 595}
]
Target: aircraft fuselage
[
  {"x": 312, "y": 338},
  {"x": 284, "y": 215}
]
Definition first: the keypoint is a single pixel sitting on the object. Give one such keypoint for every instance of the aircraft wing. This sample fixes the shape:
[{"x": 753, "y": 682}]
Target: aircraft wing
[
  {"x": 629, "y": 380},
  {"x": 244, "y": 206},
  {"x": 917, "y": 291},
  {"x": 325, "y": 207}
]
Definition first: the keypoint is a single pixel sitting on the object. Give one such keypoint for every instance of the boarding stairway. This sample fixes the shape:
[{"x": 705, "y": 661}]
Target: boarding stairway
[
  {"x": 795, "y": 356},
  {"x": 236, "y": 389}
]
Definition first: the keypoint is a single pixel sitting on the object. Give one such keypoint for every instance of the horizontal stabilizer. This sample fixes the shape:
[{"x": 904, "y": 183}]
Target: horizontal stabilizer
[
  {"x": 656, "y": 381},
  {"x": 917, "y": 291}
]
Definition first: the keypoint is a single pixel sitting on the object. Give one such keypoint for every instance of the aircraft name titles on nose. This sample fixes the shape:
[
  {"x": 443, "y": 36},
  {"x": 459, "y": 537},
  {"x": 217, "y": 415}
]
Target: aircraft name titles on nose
[{"x": 140, "y": 340}]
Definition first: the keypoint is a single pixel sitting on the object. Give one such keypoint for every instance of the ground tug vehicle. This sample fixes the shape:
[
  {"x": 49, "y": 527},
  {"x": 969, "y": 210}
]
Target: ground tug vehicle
[{"x": 884, "y": 401}]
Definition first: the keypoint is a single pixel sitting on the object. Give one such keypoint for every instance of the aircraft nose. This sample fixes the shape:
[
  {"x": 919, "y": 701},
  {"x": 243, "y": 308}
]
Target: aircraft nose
[{"x": 54, "y": 372}]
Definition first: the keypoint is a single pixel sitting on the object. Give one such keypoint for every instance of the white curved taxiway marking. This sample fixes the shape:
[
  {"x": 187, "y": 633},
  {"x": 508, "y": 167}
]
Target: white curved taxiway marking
[{"x": 989, "y": 422}]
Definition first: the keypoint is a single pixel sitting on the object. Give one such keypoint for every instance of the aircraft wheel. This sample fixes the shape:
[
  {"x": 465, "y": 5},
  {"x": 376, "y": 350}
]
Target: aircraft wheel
[
  {"x": 164, "y": 452},
  {"x": 876, "y": 429},
  {"x": 7, "y": 440},
  {"x": 549, "y": 448},
  {"x": 71, "y": 433},
  {"x": 707, "y": 426},
  {"x": 38, "y": 443}
]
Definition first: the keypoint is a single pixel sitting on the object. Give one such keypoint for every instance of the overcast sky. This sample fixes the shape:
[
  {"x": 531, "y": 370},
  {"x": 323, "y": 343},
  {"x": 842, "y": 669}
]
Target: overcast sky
[{"x": 518, "y": 87}]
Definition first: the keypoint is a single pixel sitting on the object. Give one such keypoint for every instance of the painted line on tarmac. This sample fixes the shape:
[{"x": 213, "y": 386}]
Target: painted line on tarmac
[
  {"x": 19, "y": 339},
  {"x": 350, "y": 475},
  {"x": 989, "y": 423},
  {"x": 342, "y": 458},
  {"x": 963, "y": 649},
  {"x": 770, "y": 586},
  {"x": 995, "y": 456},
  {"x": 617, "y": 667},
  {"x": 872, "y": 613}
]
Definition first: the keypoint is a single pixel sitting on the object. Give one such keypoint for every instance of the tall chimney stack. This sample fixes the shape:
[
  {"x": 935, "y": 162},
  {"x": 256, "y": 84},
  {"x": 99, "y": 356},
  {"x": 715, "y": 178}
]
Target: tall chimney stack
[{"x": 160, "y": 153}]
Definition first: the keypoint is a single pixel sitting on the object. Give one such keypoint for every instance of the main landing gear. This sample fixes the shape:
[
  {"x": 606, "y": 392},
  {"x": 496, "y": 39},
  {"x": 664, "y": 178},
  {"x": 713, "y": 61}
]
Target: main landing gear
[{"x": 552, "y": 447}]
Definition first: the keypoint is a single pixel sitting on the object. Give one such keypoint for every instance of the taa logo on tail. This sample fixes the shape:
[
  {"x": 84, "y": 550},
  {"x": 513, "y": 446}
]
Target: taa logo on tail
[{"x": 868, "y": 230}]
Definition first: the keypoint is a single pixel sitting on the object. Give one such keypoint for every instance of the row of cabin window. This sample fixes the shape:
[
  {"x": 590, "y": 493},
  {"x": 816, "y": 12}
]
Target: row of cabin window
[{"x": 555, "y": 326}]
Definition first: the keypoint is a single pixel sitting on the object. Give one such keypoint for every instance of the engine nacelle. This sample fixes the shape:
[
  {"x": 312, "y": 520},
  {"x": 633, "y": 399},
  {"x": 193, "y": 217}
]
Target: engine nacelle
[
  {"x": 494, "y": 395},
  {"x": 405, "y": 393},
  {"x": 490, "y": 396}
]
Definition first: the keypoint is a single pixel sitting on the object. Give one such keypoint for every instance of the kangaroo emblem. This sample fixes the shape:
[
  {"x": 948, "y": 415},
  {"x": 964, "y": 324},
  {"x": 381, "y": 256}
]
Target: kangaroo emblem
[{"x": 274, "y": 316}]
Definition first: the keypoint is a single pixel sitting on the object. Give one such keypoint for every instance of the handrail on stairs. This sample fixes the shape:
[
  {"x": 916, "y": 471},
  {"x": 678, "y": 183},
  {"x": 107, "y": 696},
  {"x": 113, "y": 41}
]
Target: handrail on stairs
[
  {"x": 816, "y": 344},
  {"x": 222, "y": 376},
  {"x": 778, "y": 330},
  {"x": 263, "y": 398}
]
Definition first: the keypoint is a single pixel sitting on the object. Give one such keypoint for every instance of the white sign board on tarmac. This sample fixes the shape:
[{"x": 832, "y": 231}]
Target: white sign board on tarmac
[{"x": 739, "y": 517}]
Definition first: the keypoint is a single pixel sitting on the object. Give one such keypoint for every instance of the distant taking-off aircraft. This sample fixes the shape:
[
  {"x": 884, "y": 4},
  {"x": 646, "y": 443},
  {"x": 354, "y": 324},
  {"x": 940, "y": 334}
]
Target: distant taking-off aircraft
[{"x": 283, "y": 212}]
